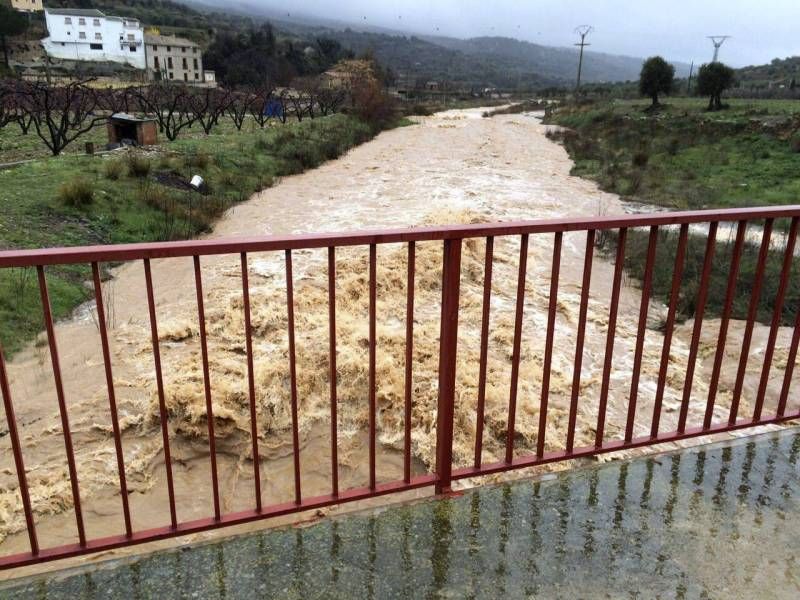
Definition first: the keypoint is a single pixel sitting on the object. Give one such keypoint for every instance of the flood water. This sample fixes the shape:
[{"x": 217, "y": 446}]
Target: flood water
[{"x": 454, "y": 167}]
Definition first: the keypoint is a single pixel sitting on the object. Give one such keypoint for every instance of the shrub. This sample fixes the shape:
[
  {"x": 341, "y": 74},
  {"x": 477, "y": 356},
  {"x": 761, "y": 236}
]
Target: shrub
[
  {"x": 138, "y": 166},
  {"x": 673, "y": 146},
  {"x": 420, "y": 110},
  {"x": 640, "y": 159},
  {"x": 113, "y": 169},
  {"x": 77, "y": 192},
  {"x": 198, "y": 160},
  {"x": 373, "y": 105}
]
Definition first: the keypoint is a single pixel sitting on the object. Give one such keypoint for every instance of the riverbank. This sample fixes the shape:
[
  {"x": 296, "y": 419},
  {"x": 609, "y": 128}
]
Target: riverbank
[
  {"x": 686, "y": 158},
  {"x": 143, "y": 195}
]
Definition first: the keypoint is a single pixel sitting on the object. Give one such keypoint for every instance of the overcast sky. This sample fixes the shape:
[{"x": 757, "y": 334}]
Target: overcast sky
[{"x": 761, "y": 29}]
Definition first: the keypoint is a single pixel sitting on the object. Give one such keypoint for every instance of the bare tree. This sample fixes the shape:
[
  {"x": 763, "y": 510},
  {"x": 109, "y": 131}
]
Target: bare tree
[
  {"x": 119, "y": 100},
  {"x": 172, "y": 105},
  {"x": 7, "y": 109},
  {"x": 209, "y": 105},
  {"x": 239, "y": 105},
  {"x": 60, "y": 114},
  {"x": 330, "y": 99},
  {"x": 266, "y": 104}
]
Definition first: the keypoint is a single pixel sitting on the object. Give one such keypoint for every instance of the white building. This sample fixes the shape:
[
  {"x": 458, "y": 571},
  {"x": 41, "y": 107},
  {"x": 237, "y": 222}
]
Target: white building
[{"x": 90, "y": 35}]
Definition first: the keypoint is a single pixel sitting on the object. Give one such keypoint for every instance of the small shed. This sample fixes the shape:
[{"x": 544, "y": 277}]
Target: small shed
[{"x": 127, "y": 129}]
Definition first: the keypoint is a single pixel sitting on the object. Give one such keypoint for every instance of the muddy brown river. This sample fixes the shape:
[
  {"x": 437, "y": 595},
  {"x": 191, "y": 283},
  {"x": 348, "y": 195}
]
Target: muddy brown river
[{"x": 454, "y": 167}]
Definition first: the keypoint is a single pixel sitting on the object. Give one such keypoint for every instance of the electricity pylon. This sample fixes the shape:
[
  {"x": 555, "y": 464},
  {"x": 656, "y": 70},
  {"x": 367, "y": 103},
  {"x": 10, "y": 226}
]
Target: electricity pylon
[{"x": 717, "y": 40}]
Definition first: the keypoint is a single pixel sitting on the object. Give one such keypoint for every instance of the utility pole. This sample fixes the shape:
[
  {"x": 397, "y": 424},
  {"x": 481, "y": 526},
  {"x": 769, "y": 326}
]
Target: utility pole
[
  {"x": 689, "y": 84},
  {"x": 582, "y": 31},
  {"x": 717, "y": 40}
]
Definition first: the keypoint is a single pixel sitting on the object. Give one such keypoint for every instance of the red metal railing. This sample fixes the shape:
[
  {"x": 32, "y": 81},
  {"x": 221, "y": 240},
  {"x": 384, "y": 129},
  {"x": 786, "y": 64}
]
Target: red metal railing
[{"x": 444, "y": 473}]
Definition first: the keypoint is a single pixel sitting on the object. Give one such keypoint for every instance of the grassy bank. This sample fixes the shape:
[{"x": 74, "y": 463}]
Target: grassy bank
[
  {"x": 684, "y": 156},
  {"x": 142, "y": 196},
  {"x": 666, "y": 250}
]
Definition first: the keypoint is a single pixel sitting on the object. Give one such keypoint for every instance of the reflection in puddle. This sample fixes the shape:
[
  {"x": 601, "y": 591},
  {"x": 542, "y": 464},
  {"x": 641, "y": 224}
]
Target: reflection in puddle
[{"x": 717, "y": 521}]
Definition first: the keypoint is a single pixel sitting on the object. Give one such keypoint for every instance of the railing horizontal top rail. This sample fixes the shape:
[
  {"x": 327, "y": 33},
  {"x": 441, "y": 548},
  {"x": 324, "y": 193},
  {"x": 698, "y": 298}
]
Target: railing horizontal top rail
[{"x": 123, "y": 252}]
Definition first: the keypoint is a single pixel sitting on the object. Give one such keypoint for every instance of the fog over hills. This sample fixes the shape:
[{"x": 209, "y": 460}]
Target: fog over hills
[{"x": 500, "y": 60}]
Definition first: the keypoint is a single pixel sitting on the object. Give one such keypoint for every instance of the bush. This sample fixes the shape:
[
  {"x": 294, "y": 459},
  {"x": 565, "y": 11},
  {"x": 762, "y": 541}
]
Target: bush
[
  {"x": 373, "y": 105},
  {"x": 640, "y": 159},
  {"x": 198, "y": 160},
  {"x": 113, "y": 169},
  {"x": 138, "y": 166},
  {"x": 78, "y": 192}
]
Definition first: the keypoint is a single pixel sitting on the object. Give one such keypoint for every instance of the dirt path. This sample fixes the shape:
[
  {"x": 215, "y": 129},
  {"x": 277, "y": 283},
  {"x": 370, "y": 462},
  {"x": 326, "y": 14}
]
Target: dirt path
[{"x": 453, "y": 167}]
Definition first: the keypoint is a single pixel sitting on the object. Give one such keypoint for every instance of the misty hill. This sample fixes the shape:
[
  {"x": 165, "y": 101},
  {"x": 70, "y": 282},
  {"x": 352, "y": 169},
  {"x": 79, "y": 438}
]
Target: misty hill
[
  {"x": 547, "y": 61},
  {"x": 502, "y": 61}
]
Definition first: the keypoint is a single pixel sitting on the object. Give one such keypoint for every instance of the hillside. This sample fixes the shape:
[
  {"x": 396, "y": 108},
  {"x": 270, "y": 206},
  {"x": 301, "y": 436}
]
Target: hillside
[
  {"x": 781, "y": 71},
  {"x": 504, "y": 62},
  {"x": 475, "y": 62},
  {"x": 422, "y": 60},
  {"x": 548, "y": 61}
]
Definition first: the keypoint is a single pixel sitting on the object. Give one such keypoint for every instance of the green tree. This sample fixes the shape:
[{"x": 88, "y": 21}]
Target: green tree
[
  {"x": 12, "y": 23},
  {"x": 656, "y": 78},
  {"x": 712, "y": 80}
]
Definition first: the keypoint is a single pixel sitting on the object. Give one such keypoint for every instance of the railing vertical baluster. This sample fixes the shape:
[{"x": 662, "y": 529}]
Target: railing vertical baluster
[
  {"x": 515, "y": 356},
  {"x": 786, "y": 270},
  {"x": 293, "y": 377},
  {"x": 448, "y": 342},
  {"x": 730, "y": 295},
  {"x": 62, "y": 404},
  {"x": 409, "y": 375},
  {"x": 16, "y": 449},
  {"x": 610, "y": 335},
  {"x": 752, "y": 314},
  {"x": 162, "y": 406},
  {"x": 112, "y": 400},
  {"x": 669, "y": 326},
  {"x": 212, "y": 443},
  {"x": 644, "y": 309},
  {"x": 487, "y": 299},
  {"x": 790, "y": 362},
  {"x": 251, "y": 380},
  {"x": 581, "y": 335},
  {"x": 333, "y": 374},
  {"x": 548, "y": 344},
  {"x": 373, "y": 285},
  {"x": 702, "y": 297}
]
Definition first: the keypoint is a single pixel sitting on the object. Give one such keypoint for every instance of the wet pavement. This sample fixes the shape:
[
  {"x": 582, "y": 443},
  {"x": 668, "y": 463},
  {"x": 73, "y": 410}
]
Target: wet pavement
[{"x": 718, "y": 521}]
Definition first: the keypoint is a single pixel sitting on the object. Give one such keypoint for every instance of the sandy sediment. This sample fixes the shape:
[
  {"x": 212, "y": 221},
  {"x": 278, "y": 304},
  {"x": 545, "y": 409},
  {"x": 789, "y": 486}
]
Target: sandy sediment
[{"x": 454, "y": 167}]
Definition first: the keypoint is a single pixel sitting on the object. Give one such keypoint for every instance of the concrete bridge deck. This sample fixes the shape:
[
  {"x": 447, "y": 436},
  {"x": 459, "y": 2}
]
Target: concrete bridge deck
[{"x": 719, "y": 521}]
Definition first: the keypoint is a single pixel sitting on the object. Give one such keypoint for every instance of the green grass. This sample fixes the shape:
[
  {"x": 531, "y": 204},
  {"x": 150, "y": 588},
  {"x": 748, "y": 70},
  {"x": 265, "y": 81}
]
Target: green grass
[
  {"x": 130, "y": 208},
  {"x": 666, "y": 249},
  {"x": 685, "y": 157}
]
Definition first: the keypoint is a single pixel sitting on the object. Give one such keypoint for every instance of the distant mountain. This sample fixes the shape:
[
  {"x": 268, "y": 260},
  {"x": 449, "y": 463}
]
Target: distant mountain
[
  {"x": 548, "y": 61},
  {"x": 499, "y": 61}
]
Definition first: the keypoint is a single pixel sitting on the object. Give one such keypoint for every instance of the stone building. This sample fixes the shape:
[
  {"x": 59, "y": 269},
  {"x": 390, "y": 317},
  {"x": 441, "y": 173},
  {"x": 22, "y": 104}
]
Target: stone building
[
  {"x": 171, "y": 58},
  {"x": 27, "y": 5}
]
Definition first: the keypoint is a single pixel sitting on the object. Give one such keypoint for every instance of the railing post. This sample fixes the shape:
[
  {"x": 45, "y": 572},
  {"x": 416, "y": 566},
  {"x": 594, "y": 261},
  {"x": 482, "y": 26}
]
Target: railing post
[{"x": 448, "y": 339}]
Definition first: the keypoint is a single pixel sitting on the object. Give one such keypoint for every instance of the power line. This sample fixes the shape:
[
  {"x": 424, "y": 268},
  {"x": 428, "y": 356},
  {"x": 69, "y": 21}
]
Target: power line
[{"x": 582, "y": 31}]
